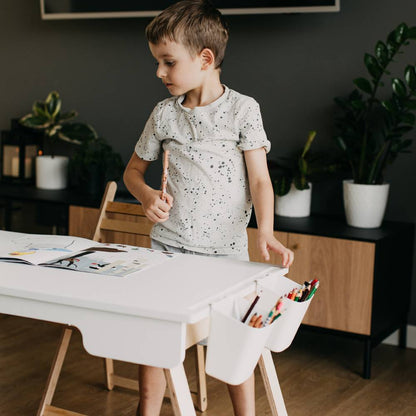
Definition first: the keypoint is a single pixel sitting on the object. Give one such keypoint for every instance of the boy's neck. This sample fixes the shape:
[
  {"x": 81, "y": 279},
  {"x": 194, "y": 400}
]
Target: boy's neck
[{"x": 208, "y": 92}]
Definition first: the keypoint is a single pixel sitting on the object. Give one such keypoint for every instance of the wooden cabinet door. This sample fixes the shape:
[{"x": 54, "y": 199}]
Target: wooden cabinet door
[
  {"x": 254, "y": 252},
  {"x": 345, "y": 269}
]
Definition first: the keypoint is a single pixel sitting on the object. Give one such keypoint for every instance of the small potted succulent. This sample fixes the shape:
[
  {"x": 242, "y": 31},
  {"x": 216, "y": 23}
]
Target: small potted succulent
[
  {"x": 46, "y": 116},
  {"x": 372, "y": 128},
  {"x": 293, "y": 177}
]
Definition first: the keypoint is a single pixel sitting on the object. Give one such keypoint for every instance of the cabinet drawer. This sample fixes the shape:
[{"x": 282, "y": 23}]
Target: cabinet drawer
[{"x": 345, "y": 269}]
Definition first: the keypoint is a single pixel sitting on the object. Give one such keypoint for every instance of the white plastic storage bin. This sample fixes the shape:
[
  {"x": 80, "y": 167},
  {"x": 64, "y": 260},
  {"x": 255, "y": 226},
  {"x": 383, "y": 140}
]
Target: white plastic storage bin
[
  {"x": 286, "y": 326},
  {"x": 234, "y": 348}
]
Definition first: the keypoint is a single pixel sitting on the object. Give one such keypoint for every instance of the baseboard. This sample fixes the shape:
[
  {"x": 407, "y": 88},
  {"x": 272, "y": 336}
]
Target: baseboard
[{"x": 393, "y": 339}]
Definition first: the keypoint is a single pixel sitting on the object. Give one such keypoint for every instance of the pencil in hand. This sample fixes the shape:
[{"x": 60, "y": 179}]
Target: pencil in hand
[{"x": 165, "y": 174}]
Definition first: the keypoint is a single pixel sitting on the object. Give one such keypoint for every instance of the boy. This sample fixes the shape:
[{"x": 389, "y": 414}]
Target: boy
[{"x": 217, "y": 162}]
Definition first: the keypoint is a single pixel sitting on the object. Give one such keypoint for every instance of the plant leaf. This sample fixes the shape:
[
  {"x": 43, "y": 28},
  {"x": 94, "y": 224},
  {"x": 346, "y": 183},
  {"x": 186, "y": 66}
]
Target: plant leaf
[
  {"x": 39, "y": 109},
  {"x": 63, "y": 118},
  {"x": 34, "y": 122},
  {"x": 364, "y": 85},
  {"x": 303, "y": 167},
  {"x": 382, "y": 53},
  {"x": 358, "y": 105},
  {"x": 400, "y": 33},
  {"x": 399, "y": 87},
  {"x": 53, "y": 103},
  {"x": 77, "y": 133},
  {"x": 300, "y": 183},
  {"x": 341, "y": 143},
  {"x": 410, "y": 76},
  {"x": 373, "y": 66},
  {"x": 311, "y": 137},
  {"x": 282, "y": 185}
]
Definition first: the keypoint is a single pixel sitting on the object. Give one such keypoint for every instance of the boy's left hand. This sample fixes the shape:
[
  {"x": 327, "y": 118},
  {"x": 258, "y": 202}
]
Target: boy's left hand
[{"x": 269, "y": 242}]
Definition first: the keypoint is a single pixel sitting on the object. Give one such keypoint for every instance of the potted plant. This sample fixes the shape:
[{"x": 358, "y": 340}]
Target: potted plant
[
  {"x": 372, "y": 127},
  {"x": 46, "y": 116},
  {"x": 293, "y": 177},
  {"x": 93, "y": 164}
]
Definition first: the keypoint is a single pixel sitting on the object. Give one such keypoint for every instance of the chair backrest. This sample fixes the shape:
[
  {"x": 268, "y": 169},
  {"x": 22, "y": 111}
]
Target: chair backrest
[{"x": 121, "y": 222}]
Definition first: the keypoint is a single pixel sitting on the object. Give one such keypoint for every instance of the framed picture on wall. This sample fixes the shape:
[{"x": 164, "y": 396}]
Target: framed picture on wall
[{"x": 94, "y": 9}]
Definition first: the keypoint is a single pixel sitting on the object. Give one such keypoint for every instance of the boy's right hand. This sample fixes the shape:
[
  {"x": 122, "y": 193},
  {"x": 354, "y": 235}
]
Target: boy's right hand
[{"x": 155, "y": 209}]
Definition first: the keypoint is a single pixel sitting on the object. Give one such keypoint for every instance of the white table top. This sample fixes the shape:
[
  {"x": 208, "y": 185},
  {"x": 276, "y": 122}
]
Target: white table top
[{"x": 179, "y": 290}]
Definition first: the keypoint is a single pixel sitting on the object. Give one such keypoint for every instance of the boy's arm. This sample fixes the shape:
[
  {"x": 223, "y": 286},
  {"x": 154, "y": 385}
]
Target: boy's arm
[
  {"x": 154, "y": 208},
  {"x": 263, "y": 200}
]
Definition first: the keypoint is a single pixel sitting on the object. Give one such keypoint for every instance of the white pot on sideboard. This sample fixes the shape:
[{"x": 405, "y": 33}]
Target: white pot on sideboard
[
  {"x": 295, "y": 203},
  {"x": 365, "y": 205},
  {"x": 52, "y": 172}
]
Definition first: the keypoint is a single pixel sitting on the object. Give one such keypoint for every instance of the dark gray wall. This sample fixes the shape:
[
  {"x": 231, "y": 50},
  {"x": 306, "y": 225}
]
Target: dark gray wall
[{"x": 292, "y": 64}]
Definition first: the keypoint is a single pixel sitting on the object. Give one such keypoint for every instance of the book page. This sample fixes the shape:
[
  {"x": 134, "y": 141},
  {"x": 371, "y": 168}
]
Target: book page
[
  {"x": 36, "y": 248},
  {"x": 111, "y": 259}
]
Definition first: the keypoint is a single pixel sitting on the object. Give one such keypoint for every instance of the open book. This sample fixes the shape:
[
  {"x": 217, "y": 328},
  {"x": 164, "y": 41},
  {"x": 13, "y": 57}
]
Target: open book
[{"x": 80, "y": 254}]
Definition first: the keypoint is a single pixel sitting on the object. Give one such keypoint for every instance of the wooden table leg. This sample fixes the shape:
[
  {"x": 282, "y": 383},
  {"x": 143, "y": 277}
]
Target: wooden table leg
[
  {"x": 271, "y": 384},
  {"x": 55, "y": 371},
  {"x": 180, "y": 394}
]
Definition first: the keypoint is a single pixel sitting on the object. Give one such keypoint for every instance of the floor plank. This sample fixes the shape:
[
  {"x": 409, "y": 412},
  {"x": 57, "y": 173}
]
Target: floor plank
[{"x": 319, "y": 375}]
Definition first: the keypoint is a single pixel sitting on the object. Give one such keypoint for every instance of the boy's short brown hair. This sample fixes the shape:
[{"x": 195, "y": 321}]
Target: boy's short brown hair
[{"x": 197, "y": 24}]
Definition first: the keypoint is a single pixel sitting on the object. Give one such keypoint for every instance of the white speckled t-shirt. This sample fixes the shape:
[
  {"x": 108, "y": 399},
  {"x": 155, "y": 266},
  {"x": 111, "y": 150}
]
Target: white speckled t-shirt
[{"x": 207, "y": 173}]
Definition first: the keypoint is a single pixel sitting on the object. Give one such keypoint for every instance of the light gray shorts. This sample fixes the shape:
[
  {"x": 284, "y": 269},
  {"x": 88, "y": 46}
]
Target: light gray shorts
[{"x": 157, "y": 245}]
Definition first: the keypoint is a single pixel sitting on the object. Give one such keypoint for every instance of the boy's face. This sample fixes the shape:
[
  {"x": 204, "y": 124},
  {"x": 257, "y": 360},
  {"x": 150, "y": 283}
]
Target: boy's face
[{"x": 177, "y": 68}]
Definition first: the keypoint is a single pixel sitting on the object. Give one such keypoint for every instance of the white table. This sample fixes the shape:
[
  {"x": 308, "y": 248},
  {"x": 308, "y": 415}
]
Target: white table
[{"x": 149, "y": 317}]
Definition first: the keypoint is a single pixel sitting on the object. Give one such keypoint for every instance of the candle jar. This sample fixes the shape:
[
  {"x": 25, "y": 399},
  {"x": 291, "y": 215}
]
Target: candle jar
[{"x": 19, "y": 147}]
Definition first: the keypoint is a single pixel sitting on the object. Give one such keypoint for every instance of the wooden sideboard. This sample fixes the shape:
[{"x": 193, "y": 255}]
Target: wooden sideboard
[{"x": 365, "y": 274}]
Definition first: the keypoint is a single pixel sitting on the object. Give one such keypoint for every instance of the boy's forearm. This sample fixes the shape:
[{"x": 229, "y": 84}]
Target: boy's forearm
[
  {"x": 135, "y": 183},
  {"x": 263, "y": 200}
]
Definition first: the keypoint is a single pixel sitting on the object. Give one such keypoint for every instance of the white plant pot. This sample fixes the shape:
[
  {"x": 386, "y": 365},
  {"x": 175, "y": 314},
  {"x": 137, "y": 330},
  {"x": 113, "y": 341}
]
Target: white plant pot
[
  {"x": 295, "y": 203},
  {"x": 365, "y": 205},
  {"x": 52, "y": 172}
]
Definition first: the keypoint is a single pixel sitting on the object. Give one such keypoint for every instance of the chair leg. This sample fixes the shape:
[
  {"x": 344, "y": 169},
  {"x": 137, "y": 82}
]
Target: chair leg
[
  {"x": 113, "y": 379},
  {"x": 201, "y": 397},
  {"x": 55, "y": 371},
  {"x": 109, "y": 373}
]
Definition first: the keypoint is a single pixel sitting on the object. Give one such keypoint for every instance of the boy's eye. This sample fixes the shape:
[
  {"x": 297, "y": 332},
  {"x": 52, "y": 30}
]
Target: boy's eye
[{"x": 170, "y": 63}]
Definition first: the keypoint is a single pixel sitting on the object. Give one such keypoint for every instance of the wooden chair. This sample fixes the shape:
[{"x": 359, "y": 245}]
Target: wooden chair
[{"x": 123, "y": 223}]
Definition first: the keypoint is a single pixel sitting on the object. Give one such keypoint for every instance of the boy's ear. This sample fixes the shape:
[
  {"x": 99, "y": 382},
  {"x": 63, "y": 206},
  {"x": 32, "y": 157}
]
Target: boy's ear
[{"x": 207, "y": 58}]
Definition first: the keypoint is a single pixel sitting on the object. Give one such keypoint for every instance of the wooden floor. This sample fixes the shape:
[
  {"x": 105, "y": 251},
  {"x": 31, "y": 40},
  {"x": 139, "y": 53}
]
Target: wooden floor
[{"x": 319, "y": 375}]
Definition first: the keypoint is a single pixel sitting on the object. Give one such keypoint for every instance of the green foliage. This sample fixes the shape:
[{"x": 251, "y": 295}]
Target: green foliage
[
  {"x": 47, "y": 117},
  {"x": 94, "y": 164},
  {"x": 301, "y": 169},
  {"x": 370, "y": 130}
]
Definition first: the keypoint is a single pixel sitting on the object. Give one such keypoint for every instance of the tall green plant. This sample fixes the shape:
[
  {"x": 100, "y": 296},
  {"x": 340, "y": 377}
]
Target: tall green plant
[
  {"x": 46, "y": 116},
  {"x": 370, "y": 129}
]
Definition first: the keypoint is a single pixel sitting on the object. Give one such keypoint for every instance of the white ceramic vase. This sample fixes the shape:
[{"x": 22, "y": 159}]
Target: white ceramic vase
[
  {"x": 295, "y": 203},
  {"x": 52, "y": 172},
  {"x": 365, "y": 205}
]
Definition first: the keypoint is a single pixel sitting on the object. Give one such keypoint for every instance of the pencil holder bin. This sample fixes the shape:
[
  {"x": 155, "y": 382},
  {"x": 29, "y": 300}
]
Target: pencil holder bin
[
  {"x": 234, "y": 348},
  {"x": 286, "y": 326}
]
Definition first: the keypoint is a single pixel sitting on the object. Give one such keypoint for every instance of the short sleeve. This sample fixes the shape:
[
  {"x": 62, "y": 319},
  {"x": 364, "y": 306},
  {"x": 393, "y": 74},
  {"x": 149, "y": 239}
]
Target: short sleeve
[
  {"x": 252, "y": 134},
  {"x": 148, "y": 145}
]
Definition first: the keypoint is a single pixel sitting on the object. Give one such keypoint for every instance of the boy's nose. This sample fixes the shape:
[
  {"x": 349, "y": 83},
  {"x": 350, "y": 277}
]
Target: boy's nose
[{"x": 160, "y": 73}]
